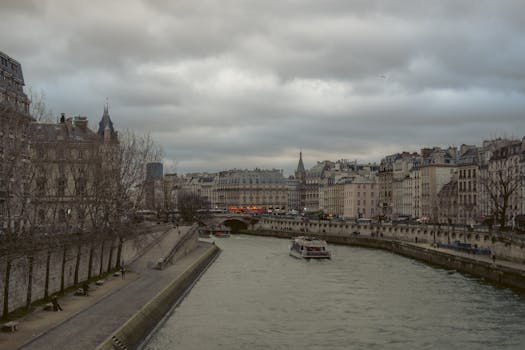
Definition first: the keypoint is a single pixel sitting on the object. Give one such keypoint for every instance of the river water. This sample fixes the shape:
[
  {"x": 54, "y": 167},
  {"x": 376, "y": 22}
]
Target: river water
[{"x": 256, "y": 296}]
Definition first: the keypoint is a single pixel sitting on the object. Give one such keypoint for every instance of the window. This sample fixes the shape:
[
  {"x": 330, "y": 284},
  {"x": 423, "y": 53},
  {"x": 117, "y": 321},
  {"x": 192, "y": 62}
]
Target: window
[
  {"x": 61, "y": 187},
  {"x": 60, "y": 153},
  {"x": 41, "y": 186},
  {"x": 61, "y": 215},
  {"x": 41, "y": 215},
  {"x": 81, "y": 186}
]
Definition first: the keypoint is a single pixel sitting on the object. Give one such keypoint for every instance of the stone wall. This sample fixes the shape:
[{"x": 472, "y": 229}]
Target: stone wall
[
  {"x": 19, "y": 277},
  {"x": 401, "y": 240},
  {"x": 134, "y": 331},
  {"x": 505, "y": 245}
]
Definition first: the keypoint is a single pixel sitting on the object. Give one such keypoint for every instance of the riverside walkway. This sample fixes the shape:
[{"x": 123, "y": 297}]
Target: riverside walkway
[
  {"x": 88, "y": 321},
  {"x": 477, "y": 257}
]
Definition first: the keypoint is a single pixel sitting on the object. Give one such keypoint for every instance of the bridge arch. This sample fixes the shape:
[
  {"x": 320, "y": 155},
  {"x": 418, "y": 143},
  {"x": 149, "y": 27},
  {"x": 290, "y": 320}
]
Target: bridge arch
[{"x": 236, "y": 225}]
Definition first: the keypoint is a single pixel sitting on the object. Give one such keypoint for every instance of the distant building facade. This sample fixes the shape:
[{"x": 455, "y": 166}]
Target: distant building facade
[
  {"x": 15, "y": 124},
  {"x": 243, "y": 188}
]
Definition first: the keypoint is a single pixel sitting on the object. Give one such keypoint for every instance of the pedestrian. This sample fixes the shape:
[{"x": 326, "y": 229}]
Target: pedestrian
[
  {"x": 123, "y": 271},
  {"x": 493, "y": 258},
  {"x": 56, "y": 305},
  {"x": 85, "y": 287}
]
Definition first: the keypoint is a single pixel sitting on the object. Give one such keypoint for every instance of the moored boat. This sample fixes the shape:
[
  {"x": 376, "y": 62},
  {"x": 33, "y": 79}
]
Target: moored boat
[
  {"x": 309, "y": 248},
  {"x": 218, "y": 230}
]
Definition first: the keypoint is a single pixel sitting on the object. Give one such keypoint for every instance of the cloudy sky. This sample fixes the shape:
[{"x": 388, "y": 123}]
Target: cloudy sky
[{"x": 248, "y": 83}]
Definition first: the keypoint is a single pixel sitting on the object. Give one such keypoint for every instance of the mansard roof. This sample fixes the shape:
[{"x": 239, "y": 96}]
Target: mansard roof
[{"x": 62, "y": 132}]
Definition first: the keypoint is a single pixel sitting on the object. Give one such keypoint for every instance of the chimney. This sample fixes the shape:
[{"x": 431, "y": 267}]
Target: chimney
[{"x": 81, "y": 123}]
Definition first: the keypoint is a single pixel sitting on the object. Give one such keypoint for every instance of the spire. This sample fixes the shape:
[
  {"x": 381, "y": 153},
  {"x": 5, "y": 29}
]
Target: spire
[
  {"x": 105, "y": 126},
  {"x": 300, "y": 166}
]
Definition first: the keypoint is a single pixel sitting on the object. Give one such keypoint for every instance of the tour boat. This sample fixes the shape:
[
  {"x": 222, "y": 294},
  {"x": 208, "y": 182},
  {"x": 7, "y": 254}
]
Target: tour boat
[{"x": 309, "y": 248}]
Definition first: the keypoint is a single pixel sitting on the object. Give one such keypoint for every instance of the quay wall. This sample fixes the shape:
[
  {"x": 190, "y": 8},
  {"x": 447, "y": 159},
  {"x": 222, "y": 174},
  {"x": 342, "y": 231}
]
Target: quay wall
[
  {"x": 504, "y": 245},
  {"x": 356, "y": 236},
  {"x": 135, "y": 330},
  {"x": 20, "y": 267}
]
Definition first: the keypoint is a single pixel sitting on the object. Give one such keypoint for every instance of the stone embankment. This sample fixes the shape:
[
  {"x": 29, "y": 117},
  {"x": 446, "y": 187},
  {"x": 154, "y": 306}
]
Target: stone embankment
[
  {"x": 136, "y": 329},
  {"x": 125, "y": 309},
  {"x": 49, "y": 271},
  {"x": 418, "y": 243}
]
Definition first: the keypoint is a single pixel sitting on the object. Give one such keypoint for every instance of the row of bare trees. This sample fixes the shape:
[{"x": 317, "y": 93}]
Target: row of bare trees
[{"x": 64, "y": 205}]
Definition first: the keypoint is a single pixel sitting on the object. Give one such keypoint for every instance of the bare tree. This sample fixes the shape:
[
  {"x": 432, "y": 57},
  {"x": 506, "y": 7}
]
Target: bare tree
[
  {"x": 189, "y": 203},
  {"x": 38, "y": 108},
  {"x": 500, "y": 185},
  {"x": 117, "y": 188}
]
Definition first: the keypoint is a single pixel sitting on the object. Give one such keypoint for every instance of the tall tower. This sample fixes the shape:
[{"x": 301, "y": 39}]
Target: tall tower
[
  {"x": 300, "y": 173},
  {"x": 300, "y": 177},
  {"x": 105, "y": 127}
]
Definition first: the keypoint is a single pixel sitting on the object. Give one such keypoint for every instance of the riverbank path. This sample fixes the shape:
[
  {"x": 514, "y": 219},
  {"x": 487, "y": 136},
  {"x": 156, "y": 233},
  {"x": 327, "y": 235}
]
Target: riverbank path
[{"x": 88, "y": 321}]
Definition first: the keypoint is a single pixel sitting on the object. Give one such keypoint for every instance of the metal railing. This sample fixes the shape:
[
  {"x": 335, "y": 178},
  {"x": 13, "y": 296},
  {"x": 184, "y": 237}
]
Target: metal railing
[{"x": 191, "y": 233}]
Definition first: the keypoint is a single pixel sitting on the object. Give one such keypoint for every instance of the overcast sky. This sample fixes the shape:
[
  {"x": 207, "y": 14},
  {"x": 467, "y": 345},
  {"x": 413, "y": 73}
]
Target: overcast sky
[{"x": 224, "y": 84}]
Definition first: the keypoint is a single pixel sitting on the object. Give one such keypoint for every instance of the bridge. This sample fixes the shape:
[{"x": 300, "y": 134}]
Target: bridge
[{"x": 235, "y": 221}]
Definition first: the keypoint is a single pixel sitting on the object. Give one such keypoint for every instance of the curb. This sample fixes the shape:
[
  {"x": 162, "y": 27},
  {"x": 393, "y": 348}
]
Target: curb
[{"x": 136, "y": 329}]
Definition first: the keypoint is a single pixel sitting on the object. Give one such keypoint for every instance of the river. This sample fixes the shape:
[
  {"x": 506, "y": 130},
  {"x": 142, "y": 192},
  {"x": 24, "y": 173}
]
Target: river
[{"x": 256, "y": 296}]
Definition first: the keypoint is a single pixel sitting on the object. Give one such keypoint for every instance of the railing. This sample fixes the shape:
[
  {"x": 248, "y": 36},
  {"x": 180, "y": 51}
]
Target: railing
[{"x": 191, "y": 233}]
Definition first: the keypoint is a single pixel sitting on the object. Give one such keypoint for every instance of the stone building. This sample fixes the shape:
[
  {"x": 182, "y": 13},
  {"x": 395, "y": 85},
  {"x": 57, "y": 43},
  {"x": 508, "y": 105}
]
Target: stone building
[
  {"x": 74, "y": 168},
  {"x": 432, "y": 179},
  {"x": 402, "y": 198},
  {"x": 294, "y": 194},
  {"x": 503, "y": 183},
  {"x": 448, "y": 203},
  {"x": 15, "y": 124},
  {"x": 249, "y": 188},
  {"x": 334, "y": 197},
  {"x": 385, "y": 177},
  {"x": 360, "y": 195},
  {"x": 300, "y": 178},
  {"x": 314, "y": 183},
  {"x": 468, "y": 187}
]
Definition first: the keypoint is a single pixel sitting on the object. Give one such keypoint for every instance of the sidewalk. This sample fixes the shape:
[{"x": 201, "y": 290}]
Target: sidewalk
[
  {"x": 478, "y": 257},
  {"x": 55, "y": 330}
]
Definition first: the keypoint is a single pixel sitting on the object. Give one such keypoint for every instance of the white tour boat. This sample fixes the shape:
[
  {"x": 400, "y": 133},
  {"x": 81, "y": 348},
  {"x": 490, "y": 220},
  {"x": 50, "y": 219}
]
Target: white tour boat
[{"x": 309, "y": 248}]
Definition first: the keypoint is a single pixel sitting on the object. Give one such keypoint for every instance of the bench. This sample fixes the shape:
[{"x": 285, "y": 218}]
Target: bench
[
  {"x": 81, "y": 292},
  {"x": 99, "y": 282},
  {"x": 49, "y": 307},
  {"x": 116, "y": 274},
  {"x": 11, "y": 326}
]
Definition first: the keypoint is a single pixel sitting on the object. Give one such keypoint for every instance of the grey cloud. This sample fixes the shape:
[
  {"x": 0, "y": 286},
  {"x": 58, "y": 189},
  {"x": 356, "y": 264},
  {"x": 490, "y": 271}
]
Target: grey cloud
[{"x": 241, "y": 84}]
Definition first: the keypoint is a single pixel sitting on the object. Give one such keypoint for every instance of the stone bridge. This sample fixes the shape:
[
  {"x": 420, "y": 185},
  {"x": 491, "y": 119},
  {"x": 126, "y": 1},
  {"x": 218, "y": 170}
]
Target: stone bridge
[{"x": 235, "y": 221}]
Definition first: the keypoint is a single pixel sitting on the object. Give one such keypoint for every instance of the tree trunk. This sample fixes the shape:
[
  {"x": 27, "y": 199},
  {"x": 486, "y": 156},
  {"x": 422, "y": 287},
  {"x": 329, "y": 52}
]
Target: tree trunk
[
  {"x": 90, "y": 263},
  {"x": 119, "y": 253},
  {"x": 101, "y": 270},
  {"x": 48, "y": 264},
  {"x": 111, "y": 248},
  {"x": 63, "y": 271},
  {"x": 77, "y": 263},
  {"x": 503, "y": 214},
  {"x": 29, "y": 282},
  {"x": 6, "y": 288}
]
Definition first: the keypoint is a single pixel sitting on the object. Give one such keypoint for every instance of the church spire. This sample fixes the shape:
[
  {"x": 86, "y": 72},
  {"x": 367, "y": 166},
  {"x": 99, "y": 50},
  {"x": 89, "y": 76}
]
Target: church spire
[
  {"x": 300, "y": 173},
  {"x": 300, "y": 166},
  {"x": 105, "y": 126}
]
